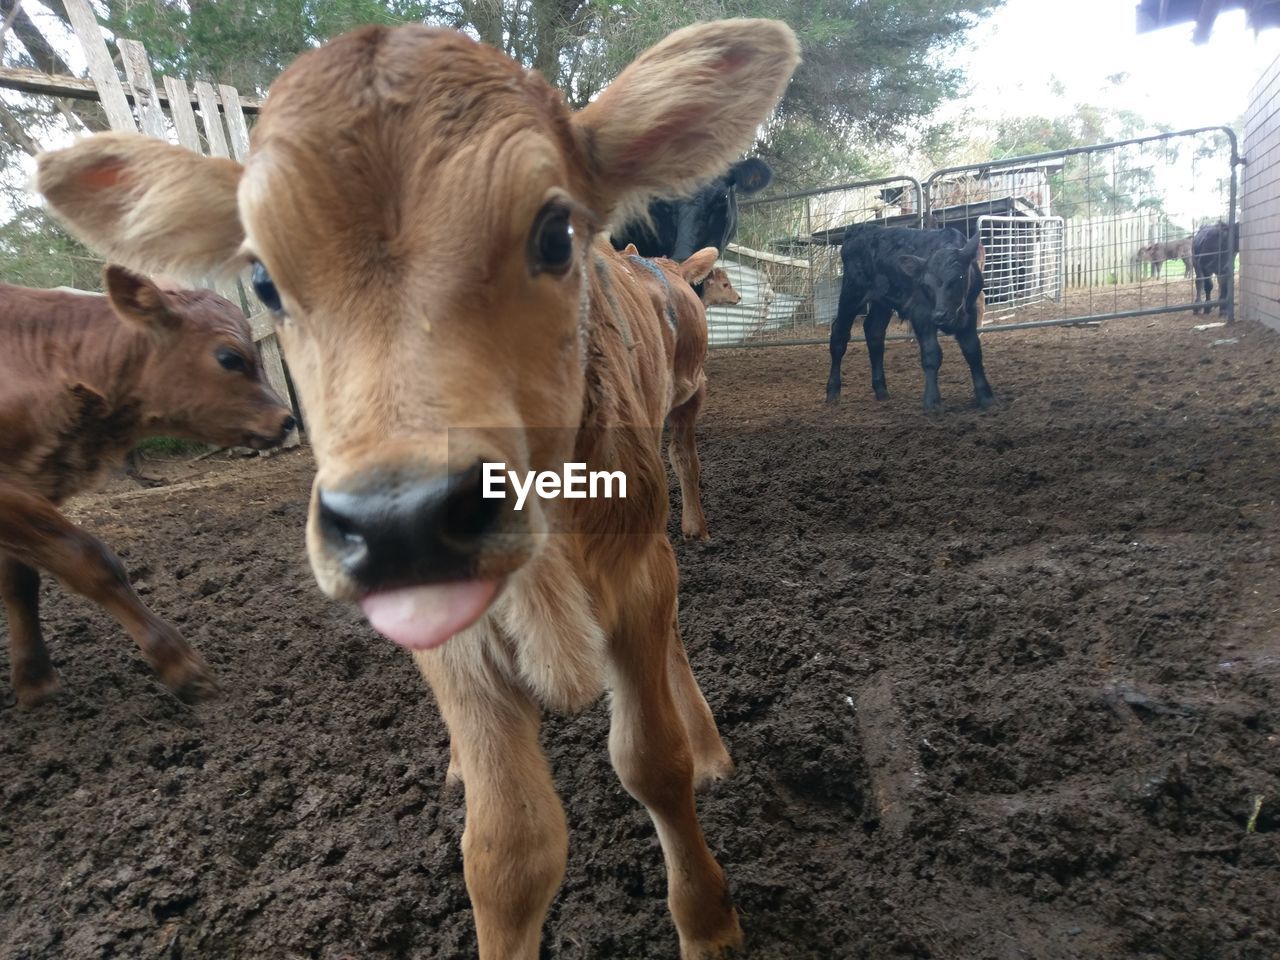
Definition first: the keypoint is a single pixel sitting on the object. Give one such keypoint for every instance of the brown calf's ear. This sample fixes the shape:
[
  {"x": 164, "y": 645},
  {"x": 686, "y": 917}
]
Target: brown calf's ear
[
  {"x": 631, "y": 250},
  {"x": 697, "y": 267},
  {"x": 138, "y": 302},
  {"x": 684, "y": 110},
  {"x": 146, "y": 203},
  {"x": 911, "y": 266}
]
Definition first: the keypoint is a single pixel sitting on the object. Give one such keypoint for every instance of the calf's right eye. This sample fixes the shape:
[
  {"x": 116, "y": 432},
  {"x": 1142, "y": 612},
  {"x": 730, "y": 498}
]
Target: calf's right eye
[{"x": 265, "y": 288}]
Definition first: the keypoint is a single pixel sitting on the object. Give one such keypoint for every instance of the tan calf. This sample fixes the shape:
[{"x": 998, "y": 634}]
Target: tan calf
[
  {"x": 425, "y": 219},
  {"x": 83, "y": 378},
  {"x": 670, "y": 286}
]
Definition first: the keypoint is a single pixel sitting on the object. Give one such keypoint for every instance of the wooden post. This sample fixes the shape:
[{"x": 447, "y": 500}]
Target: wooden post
[
  {"x": 103, "y": 71},
  {"x": 184, "y": 118},
  {"x": 263, "y": 327},
  {"x": 211, "y": 119},
  {"x": 137, "y": 70}
]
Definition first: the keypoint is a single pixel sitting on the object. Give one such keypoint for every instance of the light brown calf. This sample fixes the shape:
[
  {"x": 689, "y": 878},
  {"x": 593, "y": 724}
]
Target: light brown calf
[
  {"x": 425, "y": 219},
  {"x": 82, "y": 379},
  {"x": 670, "y": 286},
  {"x": 718, "y": 290}
]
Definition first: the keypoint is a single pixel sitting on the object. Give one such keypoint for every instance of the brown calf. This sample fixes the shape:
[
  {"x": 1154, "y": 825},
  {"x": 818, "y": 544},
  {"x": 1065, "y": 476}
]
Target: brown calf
[
  {"x": 1158, "y": 254},
  {"x": 670, "y": 287},
  {"x": 82, "y": 379},
  {"x": 717, "y": 290},
  {"x": 425, "y": 218}
]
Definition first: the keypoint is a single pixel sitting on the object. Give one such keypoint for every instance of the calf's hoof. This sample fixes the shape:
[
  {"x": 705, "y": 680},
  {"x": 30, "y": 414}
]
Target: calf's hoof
[
  {"x": 189, "y": 677},
  {"x": 694, "y": 531},
  {"x": 34, "y": 689},
  {"x": 712, "y": 768},
  {"x": 882, "y": 393},
  {"x": 985, "y": 400},
  {"x": 722, "y": 947}
]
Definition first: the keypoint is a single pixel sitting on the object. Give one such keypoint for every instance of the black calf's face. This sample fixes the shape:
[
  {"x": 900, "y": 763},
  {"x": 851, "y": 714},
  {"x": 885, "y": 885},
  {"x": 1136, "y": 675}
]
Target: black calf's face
[{"x": 941, "y": 285}]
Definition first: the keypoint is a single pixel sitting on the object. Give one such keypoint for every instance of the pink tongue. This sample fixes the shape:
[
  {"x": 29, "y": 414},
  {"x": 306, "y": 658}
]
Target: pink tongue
[{"x": 425, "y": 617}]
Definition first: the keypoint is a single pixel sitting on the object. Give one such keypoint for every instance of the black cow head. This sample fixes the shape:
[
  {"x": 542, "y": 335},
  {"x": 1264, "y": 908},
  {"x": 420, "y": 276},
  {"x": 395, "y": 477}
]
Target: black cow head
[
  {"x": 942, "y": 284},
  {"x": 709, "y": 218}
]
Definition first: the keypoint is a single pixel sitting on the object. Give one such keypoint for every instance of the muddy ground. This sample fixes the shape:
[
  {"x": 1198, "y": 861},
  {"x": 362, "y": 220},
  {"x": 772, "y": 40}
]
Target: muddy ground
[{"x": 998, "y": 685}]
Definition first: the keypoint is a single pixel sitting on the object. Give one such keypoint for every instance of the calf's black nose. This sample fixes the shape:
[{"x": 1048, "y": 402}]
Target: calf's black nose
[
  {"x": 407, "y": 532},
  {"x": 288, "y": 425}
]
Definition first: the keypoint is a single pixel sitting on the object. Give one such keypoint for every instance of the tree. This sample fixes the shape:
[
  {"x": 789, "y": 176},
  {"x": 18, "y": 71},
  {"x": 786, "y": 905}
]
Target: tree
[{"x": 870, "y": 66}]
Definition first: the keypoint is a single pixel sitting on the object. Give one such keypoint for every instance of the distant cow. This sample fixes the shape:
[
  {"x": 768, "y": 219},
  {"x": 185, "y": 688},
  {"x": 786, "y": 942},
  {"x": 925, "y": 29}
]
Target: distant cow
[
  {"x": 1213, "y": 254},
  {"x": 708, "y": 218},
  {"x": 82, "y": 379},
  {"x": 1158, "y": 254},
  {"x": 932, "y": 279}
]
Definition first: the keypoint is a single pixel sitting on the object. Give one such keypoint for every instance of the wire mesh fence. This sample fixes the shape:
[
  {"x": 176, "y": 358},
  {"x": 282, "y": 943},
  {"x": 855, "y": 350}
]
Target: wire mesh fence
[
  {"x": 1069, "y": 236},
  {"x": 785, "y": 258},
  {"x": 1128, "y": 212}
]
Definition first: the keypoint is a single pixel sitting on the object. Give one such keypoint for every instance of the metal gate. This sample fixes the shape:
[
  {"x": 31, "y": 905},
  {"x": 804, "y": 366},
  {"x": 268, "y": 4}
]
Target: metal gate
[
  {"x": 1114, "y": 202},
  {"x": 1069, "y": 235}
]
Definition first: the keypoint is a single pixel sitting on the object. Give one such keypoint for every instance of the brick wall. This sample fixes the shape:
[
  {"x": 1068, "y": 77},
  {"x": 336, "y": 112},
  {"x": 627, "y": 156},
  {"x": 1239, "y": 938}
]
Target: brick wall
[{"x": 1259, "y": 294}]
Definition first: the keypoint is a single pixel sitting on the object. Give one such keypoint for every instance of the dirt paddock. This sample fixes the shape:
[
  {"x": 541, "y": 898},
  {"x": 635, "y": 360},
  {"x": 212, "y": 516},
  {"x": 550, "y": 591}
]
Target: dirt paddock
[{"x": 999, "y": 685}]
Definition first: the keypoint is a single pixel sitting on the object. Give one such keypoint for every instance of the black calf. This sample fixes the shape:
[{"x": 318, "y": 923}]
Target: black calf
[
  {"x": 933, "y": 279},
  {"x": 1213, "y": 252}
]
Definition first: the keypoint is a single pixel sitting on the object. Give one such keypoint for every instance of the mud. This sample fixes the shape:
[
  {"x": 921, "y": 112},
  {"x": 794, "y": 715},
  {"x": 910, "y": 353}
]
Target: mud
[{"x": 999, "y": 684}]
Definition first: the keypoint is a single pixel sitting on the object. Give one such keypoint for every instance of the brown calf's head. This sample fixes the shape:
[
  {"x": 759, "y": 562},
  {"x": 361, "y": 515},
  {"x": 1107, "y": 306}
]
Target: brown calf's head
[
  {"x": 418, "y": 209},
  {"x": 202, "y": 380},
  {"x": 717, "y": 289}
]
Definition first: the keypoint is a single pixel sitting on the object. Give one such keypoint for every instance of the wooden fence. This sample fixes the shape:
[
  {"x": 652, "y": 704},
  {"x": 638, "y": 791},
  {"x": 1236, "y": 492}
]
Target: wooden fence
[
  {"x": 137, "y": 102},
  {"x": 1103, "y": 251}
]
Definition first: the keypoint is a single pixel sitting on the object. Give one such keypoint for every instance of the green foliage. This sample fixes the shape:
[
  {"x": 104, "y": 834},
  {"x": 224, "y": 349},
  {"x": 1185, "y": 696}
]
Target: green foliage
[
  {"x": 869, "y": 68},
  {"x": 1087, "y": 186},
  {"x": 36, "y": 252}
]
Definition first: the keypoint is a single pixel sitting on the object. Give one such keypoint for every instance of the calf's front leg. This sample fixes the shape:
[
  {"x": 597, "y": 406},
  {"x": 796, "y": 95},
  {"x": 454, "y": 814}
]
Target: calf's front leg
[
  {"x": 931, "y": 361},
  {"x": 35, "y": 534},
  {"x": 873, "y": 327},
  {"x": 30, "y": 669},
  {"x": 650, "y": 750},
  {"x": 515, "y": 842},
  {"x": 971, "y": 347}
]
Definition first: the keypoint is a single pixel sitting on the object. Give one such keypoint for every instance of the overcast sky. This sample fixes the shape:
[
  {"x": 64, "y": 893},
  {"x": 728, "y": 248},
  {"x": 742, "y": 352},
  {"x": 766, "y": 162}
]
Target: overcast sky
[{"x": 1016, "y": 54}]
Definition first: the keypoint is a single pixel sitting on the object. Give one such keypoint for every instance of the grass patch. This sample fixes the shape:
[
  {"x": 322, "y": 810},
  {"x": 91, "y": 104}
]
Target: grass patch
[{"x": 159, "y": 447}]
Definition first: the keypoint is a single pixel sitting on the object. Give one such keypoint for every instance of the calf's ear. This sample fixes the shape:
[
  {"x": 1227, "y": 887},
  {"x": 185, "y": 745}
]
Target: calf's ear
[
  {"x": 139, "y": 302},
  {"x": 751, "y": 175},
  {"x": 971, "y": 250},
  {"x": 146, "y": 203},
  {"x": 683, "y": 110},
  {"x": 697, "y": 267},
  {"x": 910, "y": 265}
]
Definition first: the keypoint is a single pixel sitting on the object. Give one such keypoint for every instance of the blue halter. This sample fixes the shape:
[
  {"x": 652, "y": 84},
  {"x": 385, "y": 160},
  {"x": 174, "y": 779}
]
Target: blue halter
[{"x": 666, "y": 285}]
